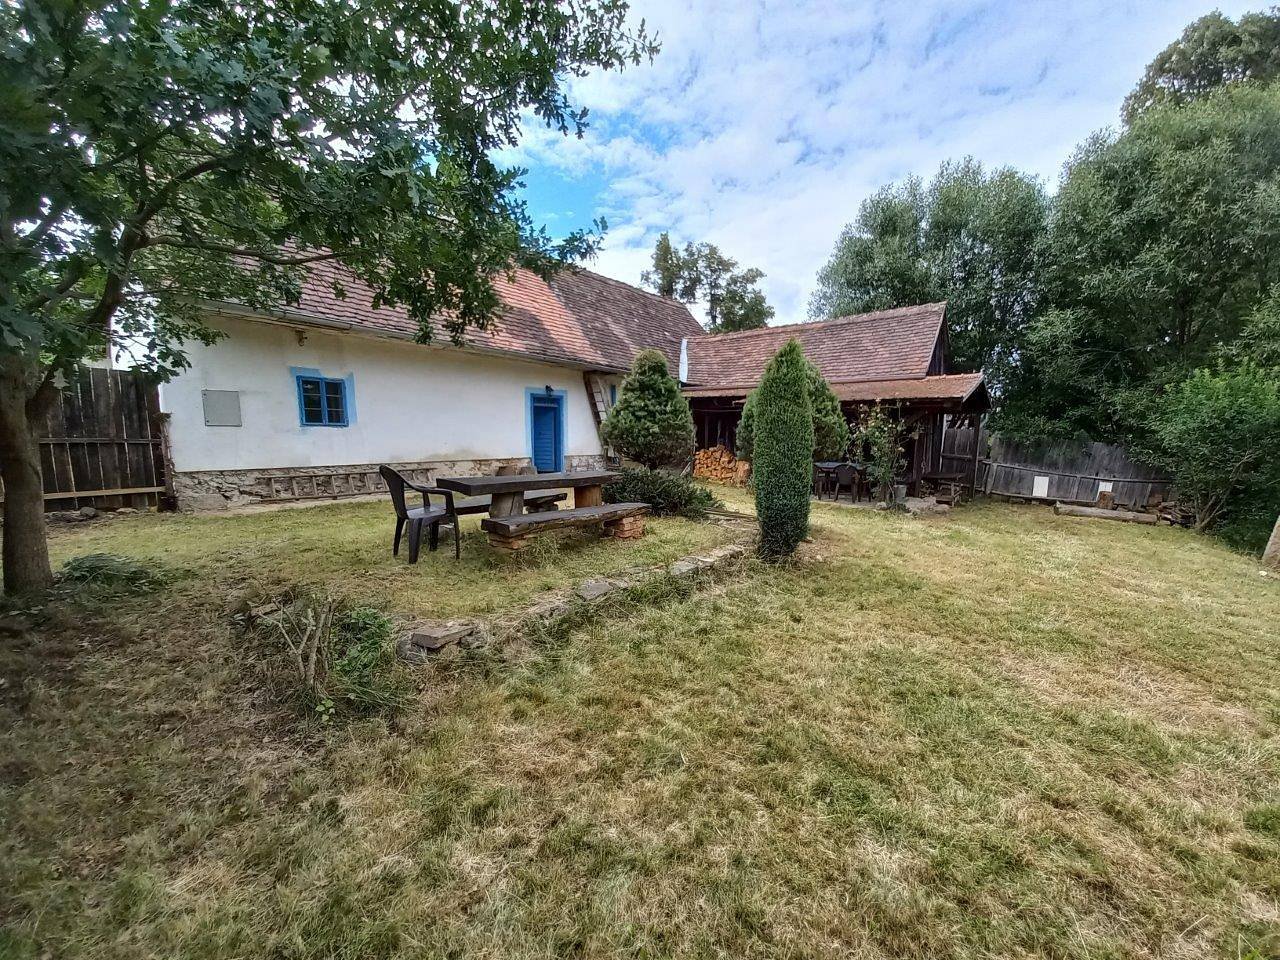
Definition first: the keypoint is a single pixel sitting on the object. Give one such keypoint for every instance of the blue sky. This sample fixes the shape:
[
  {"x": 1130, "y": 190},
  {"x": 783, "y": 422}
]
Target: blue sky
[{"x": 761, "y": 126}]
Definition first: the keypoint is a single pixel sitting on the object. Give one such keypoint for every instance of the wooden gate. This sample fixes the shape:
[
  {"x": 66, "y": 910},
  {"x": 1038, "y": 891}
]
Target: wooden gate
[{"x": 101, "y": 443}]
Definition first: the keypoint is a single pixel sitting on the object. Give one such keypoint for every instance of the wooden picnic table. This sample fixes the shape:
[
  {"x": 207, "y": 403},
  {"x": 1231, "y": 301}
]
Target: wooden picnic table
[{"x": 507, "y": 493}]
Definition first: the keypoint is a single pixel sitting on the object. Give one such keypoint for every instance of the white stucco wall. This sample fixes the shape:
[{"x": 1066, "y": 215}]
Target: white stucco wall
[{"x": 408, "y": 402}]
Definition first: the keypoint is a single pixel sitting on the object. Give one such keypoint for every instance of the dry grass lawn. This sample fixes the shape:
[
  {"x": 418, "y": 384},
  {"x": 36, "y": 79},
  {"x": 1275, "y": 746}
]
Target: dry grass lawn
[{"x": 995, "y": 734}]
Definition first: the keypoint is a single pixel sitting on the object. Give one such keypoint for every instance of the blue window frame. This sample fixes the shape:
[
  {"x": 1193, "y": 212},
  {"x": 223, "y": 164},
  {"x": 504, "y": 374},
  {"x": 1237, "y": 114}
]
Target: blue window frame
[
  {"x": 613, "y": 394},
  {"x": 322, "y": 402}
]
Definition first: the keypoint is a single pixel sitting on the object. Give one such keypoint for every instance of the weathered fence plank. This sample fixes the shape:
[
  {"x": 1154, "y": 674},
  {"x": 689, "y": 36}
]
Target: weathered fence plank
[
  {"x": 101, "y": 443},
  {"x": 1054, "y": 472}
]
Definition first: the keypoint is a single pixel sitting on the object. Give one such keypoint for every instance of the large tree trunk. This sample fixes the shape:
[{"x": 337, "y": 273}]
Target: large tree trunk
[{"x": 25, "y": 551}]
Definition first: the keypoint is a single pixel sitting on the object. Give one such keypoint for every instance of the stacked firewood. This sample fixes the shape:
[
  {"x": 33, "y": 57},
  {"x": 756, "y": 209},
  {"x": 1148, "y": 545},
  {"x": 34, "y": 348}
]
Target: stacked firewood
[
  {"x": 1173, "y": 512},
  {"x": 719, "y": 465}
]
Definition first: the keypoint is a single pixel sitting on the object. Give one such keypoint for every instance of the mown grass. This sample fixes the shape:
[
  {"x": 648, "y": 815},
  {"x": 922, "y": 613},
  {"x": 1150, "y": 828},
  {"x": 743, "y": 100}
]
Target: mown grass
[
  {"x": 346, "y": 549},
  {"x": 999, "y": 733}
]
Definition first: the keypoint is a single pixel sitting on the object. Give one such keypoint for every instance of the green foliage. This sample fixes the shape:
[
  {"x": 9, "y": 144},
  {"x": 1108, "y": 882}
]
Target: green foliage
[
  {"x": 830, "y": 429},
  {"x": 745, "y": 439},
  {"x": 1159, "y": 250},
  {"x": 105, "y": 575},
  {"x": 344, "y": 660},
  {"x": 970, "y": 238},
  {"x": 702, "y": 272},
  {"x": 1217, "y": 433},
  {"x": 651, "y": 423},
  {"x": 365, "y": 676},
  {"x": 1259, "y": 340},
  {"x": 1211, "y": 53},
  {"x": 669, "y": 494},
  {"x": 783, "y": 463},
  {"x": 666, "y": 276},
  {"x": 880, "y": 436}
]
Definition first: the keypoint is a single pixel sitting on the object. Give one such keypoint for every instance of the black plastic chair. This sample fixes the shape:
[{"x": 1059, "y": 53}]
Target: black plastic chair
[
  {"x": 819, "y": 481},
  {"x": 846, "y": 475},
  {"x": 416, "y": 518}
]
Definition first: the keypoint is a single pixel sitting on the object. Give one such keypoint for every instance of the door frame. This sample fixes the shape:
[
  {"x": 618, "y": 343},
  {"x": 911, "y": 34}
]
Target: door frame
[{"x": 541, "y": 396}]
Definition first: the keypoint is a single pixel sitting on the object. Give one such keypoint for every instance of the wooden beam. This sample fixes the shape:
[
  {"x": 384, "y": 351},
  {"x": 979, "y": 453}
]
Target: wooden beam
[{"x": 1126, "y": 516}]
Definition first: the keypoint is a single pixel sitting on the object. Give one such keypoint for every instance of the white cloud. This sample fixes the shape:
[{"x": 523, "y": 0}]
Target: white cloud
[{"x": 762, "y": 126}]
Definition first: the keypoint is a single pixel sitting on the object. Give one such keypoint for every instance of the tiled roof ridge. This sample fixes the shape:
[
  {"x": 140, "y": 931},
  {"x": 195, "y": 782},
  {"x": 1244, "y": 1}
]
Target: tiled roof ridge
[
  {"x": 828, "y": 322},
  {"x": 622, "y": 283}
]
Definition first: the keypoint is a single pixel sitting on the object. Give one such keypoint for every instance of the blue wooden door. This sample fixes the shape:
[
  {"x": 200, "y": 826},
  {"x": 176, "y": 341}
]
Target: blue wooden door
[{"x": 547, "y": 442}]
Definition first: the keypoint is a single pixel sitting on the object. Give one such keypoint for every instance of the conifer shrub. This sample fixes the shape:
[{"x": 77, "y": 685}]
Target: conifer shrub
[
  {"x": 783, "y": 463},
  {"x": 830, "y": 429},
  {"x": 651, "y": 423}
]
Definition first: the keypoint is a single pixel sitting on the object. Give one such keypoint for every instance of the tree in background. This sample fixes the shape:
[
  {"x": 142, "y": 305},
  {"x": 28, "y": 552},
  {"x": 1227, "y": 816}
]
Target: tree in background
[
  {"x": 158, "y": 155},
  {"x": 830, "y": 429},
  {"x": 651, "y": 423},
  {"x": 783, "y": 463},
  {"x": 1217, "y": 433},
  {"x": 1212, "y": 52},
  {"x": 970, "y": 238},
  {"x": 702, "y": 273},
  {"x": 1259, "y": 340},
  {"x": 1161, "y": 247}
]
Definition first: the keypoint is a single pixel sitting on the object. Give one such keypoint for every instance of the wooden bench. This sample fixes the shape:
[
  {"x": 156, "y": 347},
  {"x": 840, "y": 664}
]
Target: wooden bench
[
  {"x": 534, "y": 503},
  {"x": 622, "y": 520}
]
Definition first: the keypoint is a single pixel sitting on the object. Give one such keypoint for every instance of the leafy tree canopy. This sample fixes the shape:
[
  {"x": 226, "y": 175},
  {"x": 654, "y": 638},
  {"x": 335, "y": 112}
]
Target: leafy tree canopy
[
  {"x": 1160, "y": 250},
  {"x": 159, "y": 154},
  {"x": 1211, "y": 53},
  {"x": 703, "y": 273},
  {"x": 970, "y": 238}
]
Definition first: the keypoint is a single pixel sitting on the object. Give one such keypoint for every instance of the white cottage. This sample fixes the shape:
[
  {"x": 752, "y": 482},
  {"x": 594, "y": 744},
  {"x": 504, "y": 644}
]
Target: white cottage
[{"x": 307, "y": 402}]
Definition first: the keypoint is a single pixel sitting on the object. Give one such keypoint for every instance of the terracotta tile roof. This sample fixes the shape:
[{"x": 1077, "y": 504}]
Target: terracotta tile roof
[
  {"x": 885, "y": 345},
  {"x": 579, "y": 317},
  {"x": 952, "y": 386}
]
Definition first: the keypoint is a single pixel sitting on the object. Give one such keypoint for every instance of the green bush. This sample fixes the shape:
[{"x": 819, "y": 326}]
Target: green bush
[
  {"x": 830, "y": 429},
  {"x": 745, "y": 443},
  {"x": 880, "y": 435},
  {"x": 783, "y": 463},
  {"x": 1217, "y": 433},
  {"x": 651, "y": 422},
  {"x": 669, "y": 494}
]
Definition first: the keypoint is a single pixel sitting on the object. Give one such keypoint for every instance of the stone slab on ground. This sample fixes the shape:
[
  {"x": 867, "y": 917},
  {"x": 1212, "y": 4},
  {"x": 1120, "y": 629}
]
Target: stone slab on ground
[{"x": 423, "y": 642}]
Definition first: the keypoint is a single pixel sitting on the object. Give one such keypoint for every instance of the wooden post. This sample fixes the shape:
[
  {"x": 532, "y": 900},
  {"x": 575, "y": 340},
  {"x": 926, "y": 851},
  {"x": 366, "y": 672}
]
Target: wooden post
[
  {"x": 977, "y": 445},
  {"x": 592, "y": 496},
  {"x": 1271, "y": 555}
]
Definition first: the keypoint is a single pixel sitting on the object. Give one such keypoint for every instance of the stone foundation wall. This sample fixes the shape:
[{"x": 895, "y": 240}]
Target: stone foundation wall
[{"x": 221, "y": 489}]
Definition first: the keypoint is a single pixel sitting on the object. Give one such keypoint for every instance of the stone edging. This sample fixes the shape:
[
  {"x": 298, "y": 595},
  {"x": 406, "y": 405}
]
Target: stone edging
[{"x": 423, "y": 641}]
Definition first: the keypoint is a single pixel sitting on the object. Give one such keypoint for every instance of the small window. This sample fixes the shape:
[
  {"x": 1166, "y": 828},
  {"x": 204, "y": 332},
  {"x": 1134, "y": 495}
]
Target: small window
[
  {"x": 322, "y": 402},
  {"x": 613, "y": 394}
]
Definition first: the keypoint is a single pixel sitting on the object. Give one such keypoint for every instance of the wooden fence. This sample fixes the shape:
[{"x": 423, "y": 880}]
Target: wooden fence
[
  {"x": 101, "y": 443},
  {"x": 1061, "y": 472}
]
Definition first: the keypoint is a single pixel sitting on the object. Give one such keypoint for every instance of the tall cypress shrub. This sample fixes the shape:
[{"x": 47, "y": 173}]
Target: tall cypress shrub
[
  {"x": 830, "y": 429},
  {"x": 783, "y": 465}
]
